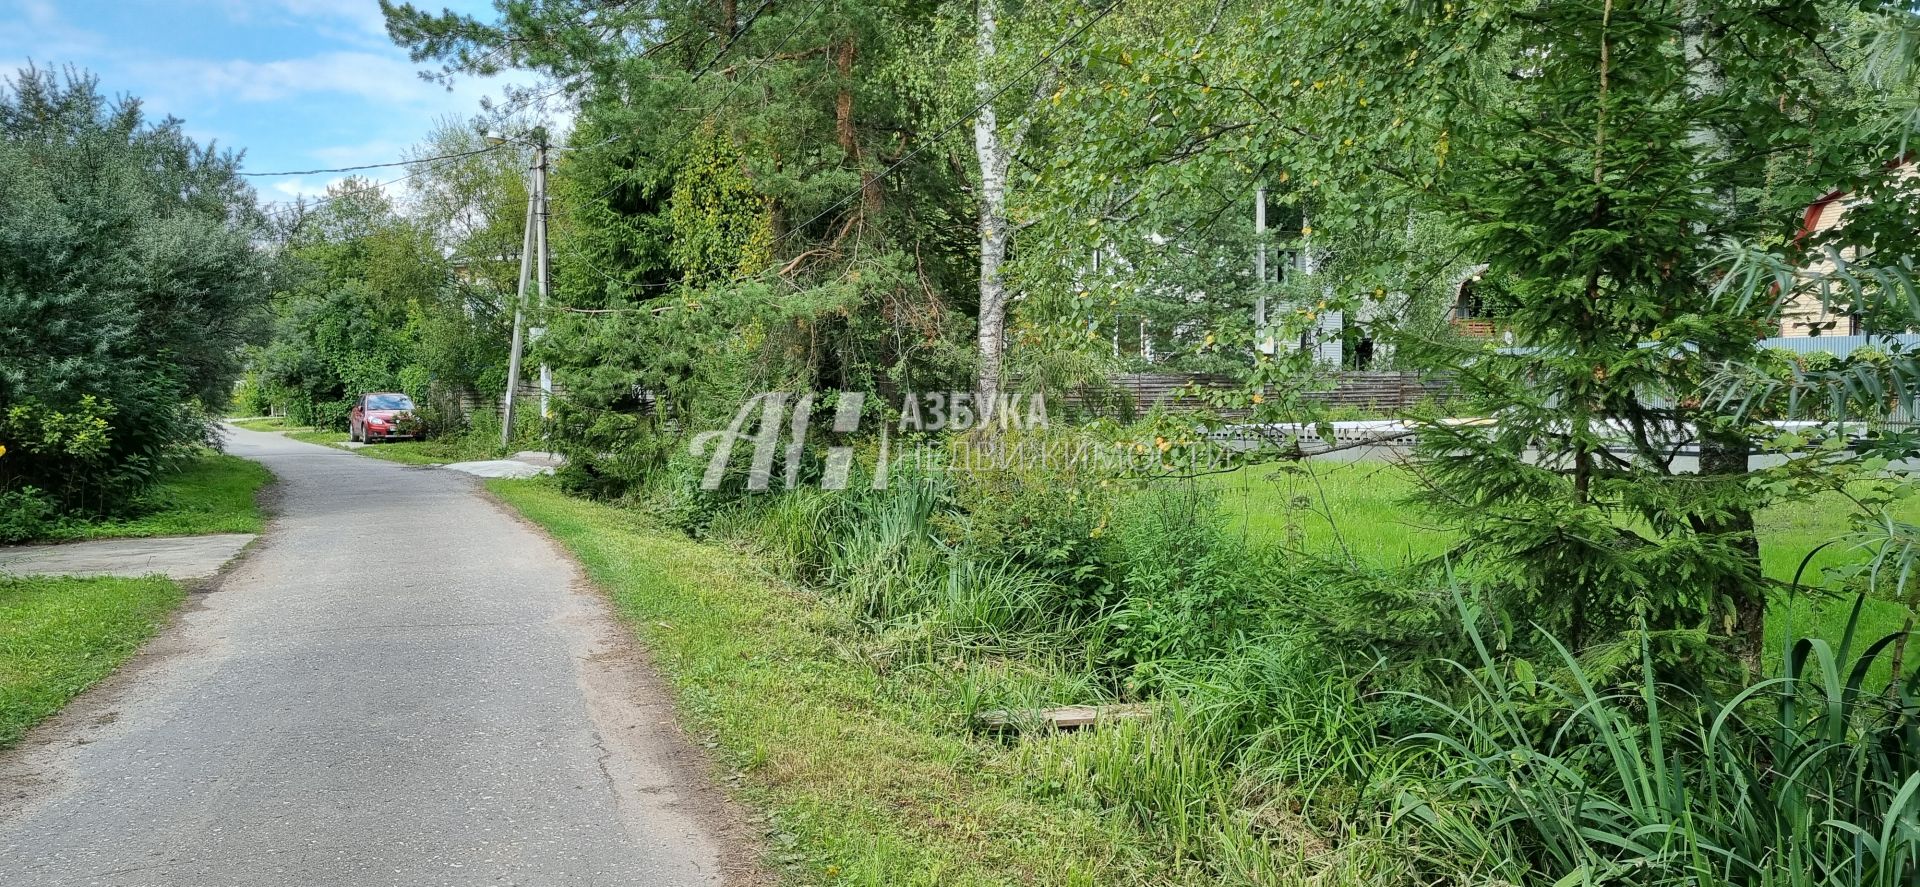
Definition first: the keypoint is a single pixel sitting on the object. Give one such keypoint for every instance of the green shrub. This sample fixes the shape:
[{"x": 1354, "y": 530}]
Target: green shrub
[
  {"x": 442, "y": 418},
  {"x": 332, "y": 415},
  {"x": 250, "y": 397},
  {"x": 1040, "y": 511},
  {"x": 26, "y": 513},
  {"x": 1182, "y": 589},
  {"x": 74, "y": 457},
  {"x": 130, "y": 277}
]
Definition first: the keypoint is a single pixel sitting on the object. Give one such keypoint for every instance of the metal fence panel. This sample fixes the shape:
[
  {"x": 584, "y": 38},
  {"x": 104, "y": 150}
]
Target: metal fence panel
[{"x": 1841, "y": 346}]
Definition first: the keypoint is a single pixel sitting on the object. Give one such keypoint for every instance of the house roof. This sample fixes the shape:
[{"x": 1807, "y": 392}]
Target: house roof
[{"x": 1811, "y": 219}]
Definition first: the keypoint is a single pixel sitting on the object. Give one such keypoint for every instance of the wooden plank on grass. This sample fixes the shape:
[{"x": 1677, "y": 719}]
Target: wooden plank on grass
[{"x": 1066, "y": 717}]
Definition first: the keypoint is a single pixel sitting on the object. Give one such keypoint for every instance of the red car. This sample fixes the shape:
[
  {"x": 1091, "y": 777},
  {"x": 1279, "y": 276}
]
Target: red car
[{"x": 380, "y": 417}]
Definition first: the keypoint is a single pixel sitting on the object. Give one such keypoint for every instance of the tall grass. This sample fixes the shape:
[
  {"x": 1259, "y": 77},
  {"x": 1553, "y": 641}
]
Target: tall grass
[
  {"x": 1276, "y": 765},
  {"x": 1298, "y": 732},
  {"x": 1807, "y": 778},
  {"x": 1250, "y": 785}
]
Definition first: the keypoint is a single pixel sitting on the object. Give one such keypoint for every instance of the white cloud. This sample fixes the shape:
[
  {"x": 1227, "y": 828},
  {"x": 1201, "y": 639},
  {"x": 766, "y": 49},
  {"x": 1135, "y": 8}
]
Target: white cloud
[
  {"x": 44, "y": 36},
  {"x": 355, "y": 154},
  {"x": 302, "y": 186},
  {"x": 375, "y": 77},
  {"x": 346, "y": 80},
  {"x": 352, "y": 21},
  {"x": 382, "y": 80}
]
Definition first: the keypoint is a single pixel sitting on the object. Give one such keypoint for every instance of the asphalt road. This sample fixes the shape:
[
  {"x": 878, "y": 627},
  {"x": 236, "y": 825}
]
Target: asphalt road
[{"x": 400, "y": 685}]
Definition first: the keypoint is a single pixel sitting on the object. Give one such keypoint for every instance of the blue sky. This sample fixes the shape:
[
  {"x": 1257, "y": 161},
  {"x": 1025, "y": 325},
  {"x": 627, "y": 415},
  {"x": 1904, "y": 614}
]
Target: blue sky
[{"x": 299, "y": 84}]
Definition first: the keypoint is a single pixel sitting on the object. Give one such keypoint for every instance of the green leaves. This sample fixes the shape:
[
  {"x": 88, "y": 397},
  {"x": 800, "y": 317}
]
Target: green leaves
[
  {"x": 129, "y": 279},
  {"x": 721, "y": 226}
]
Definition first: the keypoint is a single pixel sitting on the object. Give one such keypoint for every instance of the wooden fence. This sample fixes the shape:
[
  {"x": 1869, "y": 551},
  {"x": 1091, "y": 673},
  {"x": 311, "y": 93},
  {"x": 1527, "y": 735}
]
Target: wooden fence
[
  {"x": 1135, "y": 393},
  {"x": 1123, "y": 396}
]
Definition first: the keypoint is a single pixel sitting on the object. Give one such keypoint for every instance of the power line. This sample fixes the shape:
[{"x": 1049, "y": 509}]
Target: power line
[
  {"x": 735, "y": 38},
  {"x": 377, "y": 186},
  {"x": 526, "y": 101},
  {"x": 309, "y": 172}
]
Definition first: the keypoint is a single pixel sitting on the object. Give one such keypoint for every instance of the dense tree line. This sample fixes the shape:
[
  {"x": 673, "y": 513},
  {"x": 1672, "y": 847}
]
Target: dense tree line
[
  {"x": 404, "y": 291},
  {"x": 131, "y": 273}
]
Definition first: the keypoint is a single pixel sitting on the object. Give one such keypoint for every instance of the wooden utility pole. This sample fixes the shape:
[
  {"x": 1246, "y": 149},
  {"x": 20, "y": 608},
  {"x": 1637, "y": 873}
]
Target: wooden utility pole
[
  {"x": 540, "y": 258},
  {"x": 533, "y": 243}
]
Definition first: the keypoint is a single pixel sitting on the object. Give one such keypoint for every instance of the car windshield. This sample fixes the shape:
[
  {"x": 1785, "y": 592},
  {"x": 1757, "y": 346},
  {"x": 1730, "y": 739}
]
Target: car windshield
[{"x": 389, "y": 402}]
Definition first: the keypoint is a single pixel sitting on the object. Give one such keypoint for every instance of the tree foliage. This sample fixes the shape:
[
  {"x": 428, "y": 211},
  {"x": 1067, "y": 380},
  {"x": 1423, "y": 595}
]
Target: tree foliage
[
  {"x": 129, "y": 280},
  {"x": 1596, "y": 157},
  {"x": 414, "y": 294},
  {"x": 743, "y": 188}
]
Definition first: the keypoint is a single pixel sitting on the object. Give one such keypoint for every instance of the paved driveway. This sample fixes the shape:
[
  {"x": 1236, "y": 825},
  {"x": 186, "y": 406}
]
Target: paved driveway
[
  {"x": 178, "y": 557},
  {"x": 400, "y": 685}
]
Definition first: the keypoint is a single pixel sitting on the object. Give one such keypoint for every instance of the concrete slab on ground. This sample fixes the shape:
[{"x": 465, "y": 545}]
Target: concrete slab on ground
[
  {"x": 535, "y": 457},
  {"x": 177, "y": 557},
  {"x": 526, "y": 463},
  {"x": 499, "y": 468}
]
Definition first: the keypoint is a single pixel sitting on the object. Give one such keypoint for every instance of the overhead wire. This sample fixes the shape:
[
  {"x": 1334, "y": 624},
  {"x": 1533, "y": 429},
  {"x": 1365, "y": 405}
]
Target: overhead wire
[
  {"x": 431, "y": 165},
  {"x": 526, "y": 101},
  {"x": 310, "y": 172}
]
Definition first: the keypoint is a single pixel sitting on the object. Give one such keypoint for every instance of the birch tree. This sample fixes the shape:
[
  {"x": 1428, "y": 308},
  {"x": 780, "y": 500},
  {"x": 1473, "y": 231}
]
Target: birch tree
[{"x": 992, "y": 155}]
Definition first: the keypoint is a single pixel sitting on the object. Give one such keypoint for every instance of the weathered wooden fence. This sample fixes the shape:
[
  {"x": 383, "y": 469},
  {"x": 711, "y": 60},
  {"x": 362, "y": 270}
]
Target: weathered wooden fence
[{"x": 1136, "y": 393}]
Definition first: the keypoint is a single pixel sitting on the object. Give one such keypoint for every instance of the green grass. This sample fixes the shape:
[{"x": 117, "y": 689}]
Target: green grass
[
  {"x": 866, "y": 780},
  {"x": 266, "y": 423},
  {"x": 1334, "y": 508},
  {"x": 317, "y": 436},
  {"x": 214, "y": 493},
  {"x": 59, "y": 636},
  {"x": 409, "y": 452},
  {"x": 1329, "y": 508}
]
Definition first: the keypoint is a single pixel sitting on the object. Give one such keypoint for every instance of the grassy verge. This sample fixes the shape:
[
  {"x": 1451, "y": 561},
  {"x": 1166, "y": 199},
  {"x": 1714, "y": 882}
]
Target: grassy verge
[
  {"x": 266, "y": 423},
  {"x": 212, "y": 494},
  {"x": 407, "y": 452},
  {"x": 317, "y": 436},
  {"x": 865, "y": 772},
  {"x": 59, "y": 636}
]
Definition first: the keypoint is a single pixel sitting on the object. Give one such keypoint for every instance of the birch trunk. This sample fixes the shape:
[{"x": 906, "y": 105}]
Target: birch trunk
[{"x": 992, "y": 156}]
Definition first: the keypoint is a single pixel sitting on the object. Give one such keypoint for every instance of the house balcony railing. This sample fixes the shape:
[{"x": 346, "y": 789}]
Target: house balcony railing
[{"x": 1475, "y": 328}]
